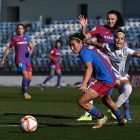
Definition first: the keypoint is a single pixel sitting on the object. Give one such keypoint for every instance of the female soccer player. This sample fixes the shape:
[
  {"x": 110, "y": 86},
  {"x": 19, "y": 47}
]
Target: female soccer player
[
  {"x": 54, "y": 65},
  {"x": 22, "y": 57},
  {"x": 120, "y": 56},
  {"x": 93, "y": 59},
  {"x": 105, "y": 34}
]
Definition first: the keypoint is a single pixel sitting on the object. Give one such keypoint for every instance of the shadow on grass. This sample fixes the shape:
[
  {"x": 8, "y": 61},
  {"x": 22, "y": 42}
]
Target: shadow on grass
[
  {"x": 7, "y": 97},
  {"x": 41, "y": 115}
]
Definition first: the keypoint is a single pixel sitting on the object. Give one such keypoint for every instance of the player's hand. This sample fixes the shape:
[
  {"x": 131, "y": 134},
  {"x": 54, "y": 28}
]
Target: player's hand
[
  {"x": 82, "y": 20},
  {"x": 84, "y": 40},
  {"x": 57, "y": 60},
  {"x": 2, "y": 63},
  {"x": 83, "y": 87},
  {"x": 60, "y": 61},
  {"x": 30, "y": 51}
]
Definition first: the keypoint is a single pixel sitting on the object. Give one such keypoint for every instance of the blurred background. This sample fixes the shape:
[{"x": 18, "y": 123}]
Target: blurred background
[{"x": 57, "y": 19}]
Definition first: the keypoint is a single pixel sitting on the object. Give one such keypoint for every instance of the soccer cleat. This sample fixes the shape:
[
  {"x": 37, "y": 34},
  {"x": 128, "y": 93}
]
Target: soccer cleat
[
  {"x": 127, "y": 117},
  {"x": 122, "y": 122},
  {"x": 85, "y": 118},
  {"x": 111, "y": 114},
  {"x": 27, "y": 96},
  {"x": 100, "y": 122},
  {"x": 42, "y": 87},
  {"x": 58, "y": 88},
  {"x": 21, "y": 92}
]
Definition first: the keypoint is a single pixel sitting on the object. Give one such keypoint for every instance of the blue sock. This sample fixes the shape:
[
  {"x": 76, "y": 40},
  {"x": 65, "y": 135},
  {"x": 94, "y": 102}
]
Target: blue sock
[
  {"x": 96, "y": 113},
  {"x": 126, "y": 106},
  {"x": 29, "y": 83},
  {"x": 59, "y": 79},
  {"x": 47, "y": 79},
  {"x": 118, "y": 115},
  {"x": 111, "y": 96},
  {"x": 25, "y": 85}
]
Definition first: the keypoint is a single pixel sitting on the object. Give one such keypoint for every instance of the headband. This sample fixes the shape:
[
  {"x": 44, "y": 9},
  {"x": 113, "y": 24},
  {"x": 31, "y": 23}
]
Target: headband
[
  {"x": 120, "y": 33},
  {"x": 76, "y": 38}
]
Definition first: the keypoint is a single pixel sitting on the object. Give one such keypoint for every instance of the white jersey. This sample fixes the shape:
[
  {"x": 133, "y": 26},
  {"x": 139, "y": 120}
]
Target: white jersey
[{"x": 119, "y": 59}]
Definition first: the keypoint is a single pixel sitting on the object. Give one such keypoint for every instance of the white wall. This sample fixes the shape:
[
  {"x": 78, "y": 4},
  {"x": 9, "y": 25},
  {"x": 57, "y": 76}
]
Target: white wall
[
  {"x": 37, "y": 80},
  {"x": 60, "y": 9}
]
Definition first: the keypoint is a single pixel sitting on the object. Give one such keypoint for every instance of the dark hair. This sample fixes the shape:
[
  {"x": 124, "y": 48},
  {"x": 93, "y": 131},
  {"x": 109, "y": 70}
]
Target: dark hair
[
  {"x": 20, "y": 24},
  {"x": 78, "y": 37},
  {"x": 58, "y": 41},
  {"x": 120, "y": 21},
  {"x": 119, "y": 30}
]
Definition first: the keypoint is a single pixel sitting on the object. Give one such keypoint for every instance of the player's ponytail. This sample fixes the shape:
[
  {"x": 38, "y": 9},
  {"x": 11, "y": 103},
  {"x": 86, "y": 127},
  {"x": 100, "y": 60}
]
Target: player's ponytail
[{"x": 24, "y": 25}]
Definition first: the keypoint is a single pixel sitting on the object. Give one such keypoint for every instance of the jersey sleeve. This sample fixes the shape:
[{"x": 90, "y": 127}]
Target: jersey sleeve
[
  {"x": 130, "y": 52},
  {"x": 12, "y": 43},
  {"x": 52, "y": 51},
  {"x": 104, "y": 46},
  {"x": 28, "y": 39},
  {"x": 95, "y": 31},
  {"x": 86, "y": 56}
]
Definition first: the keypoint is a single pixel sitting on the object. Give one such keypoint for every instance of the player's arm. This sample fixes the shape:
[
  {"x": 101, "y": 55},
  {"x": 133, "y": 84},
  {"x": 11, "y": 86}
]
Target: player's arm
[
  {"x": 136, "y": 54},
  {"x": 51, "y": 57},
  {"x": 88, "y": 74},
  {"x": 83, "y": 22},
  {"x": 31, "y": 48},
  {"x": 5, "y": 55},
  {"x": 126, "y": 45},
  {"x": 97, "y": 45}
]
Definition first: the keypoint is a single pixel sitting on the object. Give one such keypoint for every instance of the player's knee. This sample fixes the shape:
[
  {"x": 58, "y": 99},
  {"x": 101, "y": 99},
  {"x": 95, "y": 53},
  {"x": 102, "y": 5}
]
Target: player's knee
[
  {"x": 59, "y": 74},
  {"x": 80, "y": 102},
  {"x": 127, "y": 89},
  {"x": 107, "y": 101},
  {"x": 25, "y": 76}
]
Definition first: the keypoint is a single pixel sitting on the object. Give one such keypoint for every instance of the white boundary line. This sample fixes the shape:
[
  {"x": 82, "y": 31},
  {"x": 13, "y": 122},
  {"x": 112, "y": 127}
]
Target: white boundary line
[{"x": 70, "y": 124}]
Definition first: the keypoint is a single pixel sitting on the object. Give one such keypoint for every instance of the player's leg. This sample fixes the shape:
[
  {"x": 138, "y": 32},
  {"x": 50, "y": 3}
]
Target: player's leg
[
  {"x": 52, "y": 72},
  {"x": 110, "y": 104},
  {"x": 29, "y": 73},
  {"x": 126, "y": 109},
  {"x": 87, "y": 116},
  {"x": 125, "y": 89},
  {"x": 25, "y": 85},
  {"x": 21, "y": 67},
  {"x": 29, "y": 77},
  {"x": 83, "y": 101},
  {"x": 58, "y": 71}
]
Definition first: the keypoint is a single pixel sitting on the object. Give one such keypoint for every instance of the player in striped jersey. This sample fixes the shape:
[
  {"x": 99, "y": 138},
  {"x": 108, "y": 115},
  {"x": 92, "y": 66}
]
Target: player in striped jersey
[
  {"x": 54, "y": 65},
  {"x": 104, "y": 34},
  {"x": 94, "y": 60},
  {"x": 120, "y": 57},
  {"x": 21, "y": 43}
]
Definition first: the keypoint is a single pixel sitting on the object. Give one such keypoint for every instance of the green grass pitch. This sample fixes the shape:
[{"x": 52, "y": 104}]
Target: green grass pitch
[{"x": 56, "y": 113}]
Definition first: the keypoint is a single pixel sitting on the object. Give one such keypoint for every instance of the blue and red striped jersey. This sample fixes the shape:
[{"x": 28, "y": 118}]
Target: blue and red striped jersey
[
  {"x": 55, "y": 54},
  {"x": 21, "y": 48},
  {"x": 101, "y": 69}
]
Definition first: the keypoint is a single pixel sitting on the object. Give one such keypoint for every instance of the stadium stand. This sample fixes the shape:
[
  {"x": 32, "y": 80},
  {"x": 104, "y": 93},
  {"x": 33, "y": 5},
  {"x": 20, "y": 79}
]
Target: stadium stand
[{"x": 44, "y": 38}]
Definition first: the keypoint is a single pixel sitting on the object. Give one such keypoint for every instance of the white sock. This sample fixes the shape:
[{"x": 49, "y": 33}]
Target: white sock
[
  {"x": 126, "y": 89},
  {"x": 87, "y": 113}
]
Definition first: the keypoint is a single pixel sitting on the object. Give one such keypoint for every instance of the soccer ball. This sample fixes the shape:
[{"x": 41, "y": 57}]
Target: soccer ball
[{"x": 28, "y": 123}]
